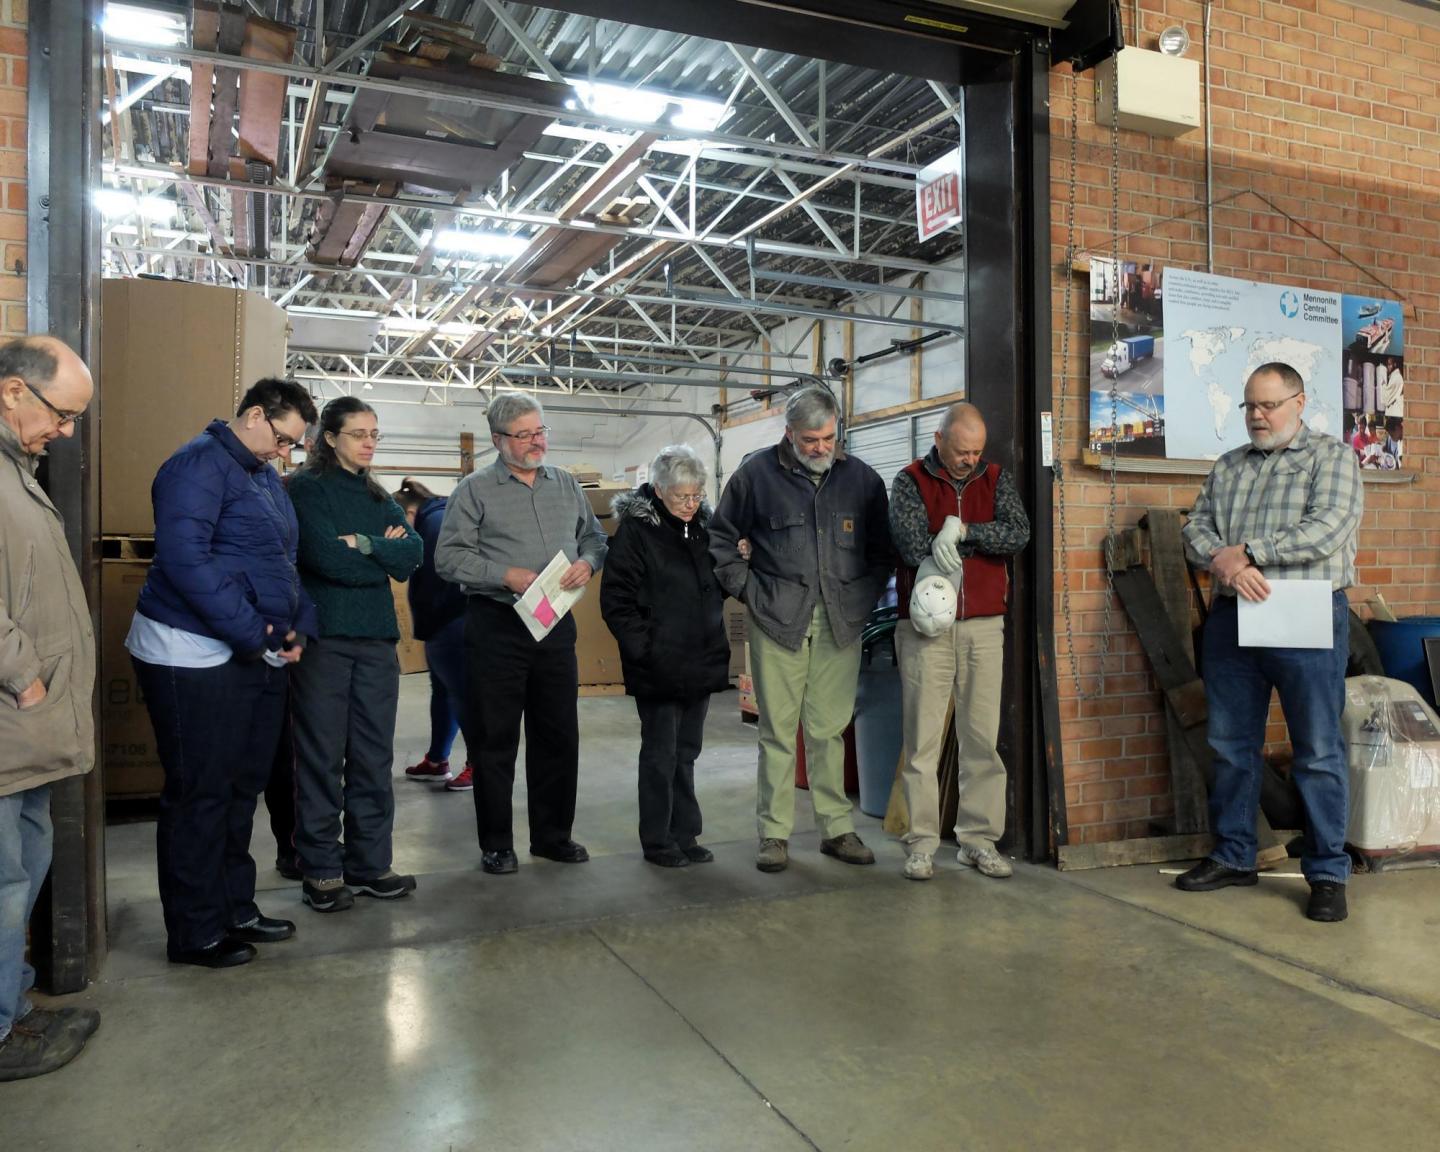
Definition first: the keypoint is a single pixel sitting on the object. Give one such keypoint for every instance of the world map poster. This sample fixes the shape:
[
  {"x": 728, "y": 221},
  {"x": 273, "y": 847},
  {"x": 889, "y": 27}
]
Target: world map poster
[{"x": 1349, "y": 350}]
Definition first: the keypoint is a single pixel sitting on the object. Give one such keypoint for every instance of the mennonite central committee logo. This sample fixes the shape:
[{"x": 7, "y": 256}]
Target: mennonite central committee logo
[{"x": 1289, "y": 304}]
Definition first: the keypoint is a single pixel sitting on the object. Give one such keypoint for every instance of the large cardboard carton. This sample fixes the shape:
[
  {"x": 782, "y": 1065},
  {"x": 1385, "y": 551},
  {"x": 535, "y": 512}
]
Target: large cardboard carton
[
  {"x": 737, "y": 629},
  {"x": 410, "y": 650},
  {"x": 174, "y": 357},
  {"x": 596, "y": 652},
  {"x": 129, "y": 760}
]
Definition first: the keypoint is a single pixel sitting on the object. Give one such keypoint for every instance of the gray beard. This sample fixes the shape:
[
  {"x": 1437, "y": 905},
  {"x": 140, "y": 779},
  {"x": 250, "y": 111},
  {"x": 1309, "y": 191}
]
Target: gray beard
[{"x": 818, "y": 466}]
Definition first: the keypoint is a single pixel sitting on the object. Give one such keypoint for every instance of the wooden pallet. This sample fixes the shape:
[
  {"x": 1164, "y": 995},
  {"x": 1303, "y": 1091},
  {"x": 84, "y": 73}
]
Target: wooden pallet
[
  {"x": 127, "y": 548},
  {"x": 602, "y": 689}
]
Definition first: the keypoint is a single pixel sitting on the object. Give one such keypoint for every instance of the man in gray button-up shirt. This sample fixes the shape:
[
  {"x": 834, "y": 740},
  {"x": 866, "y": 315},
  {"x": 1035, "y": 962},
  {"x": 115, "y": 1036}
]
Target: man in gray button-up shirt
[
  {"x": 1286, "y": 506},
  {"x": 502, "y": 526}
]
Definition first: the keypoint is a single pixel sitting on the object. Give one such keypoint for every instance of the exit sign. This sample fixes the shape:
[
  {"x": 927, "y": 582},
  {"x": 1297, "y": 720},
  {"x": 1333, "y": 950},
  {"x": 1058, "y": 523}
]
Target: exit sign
[{"x": 937, "y": 195}]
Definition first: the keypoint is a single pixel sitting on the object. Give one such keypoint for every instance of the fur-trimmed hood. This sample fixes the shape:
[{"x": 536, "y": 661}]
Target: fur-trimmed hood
[{"x": 640, "y": 504}]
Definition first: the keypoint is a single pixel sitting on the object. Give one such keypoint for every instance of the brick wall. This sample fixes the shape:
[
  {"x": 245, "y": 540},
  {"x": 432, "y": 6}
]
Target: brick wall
[
  {"x": 1332, "y": 111},
  {"x": 13, "y": 142}
]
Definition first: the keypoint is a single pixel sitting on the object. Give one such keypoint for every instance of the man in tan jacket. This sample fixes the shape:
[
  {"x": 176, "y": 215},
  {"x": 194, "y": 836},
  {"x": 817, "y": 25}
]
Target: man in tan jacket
[{"x": 47, "y": 673}]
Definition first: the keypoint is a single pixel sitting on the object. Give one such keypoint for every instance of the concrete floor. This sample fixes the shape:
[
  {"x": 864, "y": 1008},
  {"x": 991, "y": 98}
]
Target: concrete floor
[{"x": 618, "y": 1006}]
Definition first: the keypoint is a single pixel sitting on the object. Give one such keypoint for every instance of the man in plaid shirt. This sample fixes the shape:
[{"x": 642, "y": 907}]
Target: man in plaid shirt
[{"x": 1286, "y": 506}]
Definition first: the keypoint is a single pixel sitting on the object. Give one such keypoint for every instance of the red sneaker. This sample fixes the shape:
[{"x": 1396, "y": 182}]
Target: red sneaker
[
  {"x": 427, "y": 769},
  {"x": 463, "y": 782}
]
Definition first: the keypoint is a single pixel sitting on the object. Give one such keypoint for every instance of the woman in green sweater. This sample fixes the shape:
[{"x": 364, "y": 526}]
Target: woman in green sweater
[{"x": 353, "y": 540}]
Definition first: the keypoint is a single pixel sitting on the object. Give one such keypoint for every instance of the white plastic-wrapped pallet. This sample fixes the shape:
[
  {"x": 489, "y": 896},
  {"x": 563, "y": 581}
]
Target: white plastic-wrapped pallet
[{"x": 1394, "y": 755}]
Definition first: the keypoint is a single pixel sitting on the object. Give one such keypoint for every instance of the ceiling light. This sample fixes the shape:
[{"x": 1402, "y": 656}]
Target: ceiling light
[
  {"x": 1174, "y": 41},
  {"x": 165, "y": 28},
  {"x": 492, "y": 246},
  {"x": 112, "y": 202},
  {"x": 644, "y": 106}
]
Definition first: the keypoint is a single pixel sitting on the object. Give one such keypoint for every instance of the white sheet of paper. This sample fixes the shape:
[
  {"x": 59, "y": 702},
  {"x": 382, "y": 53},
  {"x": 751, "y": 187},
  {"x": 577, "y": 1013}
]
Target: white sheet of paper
[
  {"x": 545, "y": 603},
  {"x": 1297, "y": 614}
]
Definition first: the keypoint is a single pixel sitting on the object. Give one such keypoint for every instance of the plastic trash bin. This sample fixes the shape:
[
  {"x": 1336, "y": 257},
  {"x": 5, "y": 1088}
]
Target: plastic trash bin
[
  {"x": 878, "y": 729},
  {"x": 1402, "y": 650}
]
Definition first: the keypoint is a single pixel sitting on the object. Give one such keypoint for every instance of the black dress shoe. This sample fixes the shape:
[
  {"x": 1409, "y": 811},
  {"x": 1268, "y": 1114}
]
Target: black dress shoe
[
  {"x": 227, "y": 952},
  {"x": 697, "y": 854},
  {"x": 499, "y": 863},
  {"x": 1327, "y": 902},
  {"x": 1209, "y": 875},
  {"x": 668, "y": 858},
  {"x": 565, "y": 852},
  {"x": 263, "y": 930}
]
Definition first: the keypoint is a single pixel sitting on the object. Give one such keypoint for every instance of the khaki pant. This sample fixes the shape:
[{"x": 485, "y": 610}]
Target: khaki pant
[
  {"x": 967, "y": 660},
  {"x": 816, "y": 685}
]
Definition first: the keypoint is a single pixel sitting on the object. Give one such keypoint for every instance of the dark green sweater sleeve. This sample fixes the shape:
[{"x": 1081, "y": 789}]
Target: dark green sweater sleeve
[{"x": 399, "y": 557}]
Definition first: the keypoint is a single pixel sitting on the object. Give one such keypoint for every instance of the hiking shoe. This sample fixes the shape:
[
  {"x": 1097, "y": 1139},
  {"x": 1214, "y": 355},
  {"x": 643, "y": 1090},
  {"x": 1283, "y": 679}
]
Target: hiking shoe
[
  {"x": 849, "y": 848},
  {"x": 697, "y": 854},
  {"x": 668, "y": 858},
  {"x": 36, "y": 1050},
  {"x": 386, "y": 886},
  {"x": 919, "y": 866},
  {"x": 464, "y": 782},
  {"x": 1327, "y": 902},
  {"x": 327, "y": 895},
  {"x": 986, "y": 860},
  {"x": 428, "y": 769},
  {"x": 773, "y": 856}
]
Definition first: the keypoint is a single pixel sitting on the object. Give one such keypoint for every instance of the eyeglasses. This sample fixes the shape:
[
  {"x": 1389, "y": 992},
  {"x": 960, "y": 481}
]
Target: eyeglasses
[
  {"x": 63, "y": 417},
  {"x": 525, "y": 437},
  {"x": 686, "y": 501},
  {"x": 359, "y": 434},
  {"x": 1248, "y": 406},
  {"x": 282, "y": 442}
]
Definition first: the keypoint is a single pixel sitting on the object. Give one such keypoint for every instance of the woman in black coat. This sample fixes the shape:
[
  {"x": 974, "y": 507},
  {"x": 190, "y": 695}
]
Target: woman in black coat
[{"x": 661, "y": 600}]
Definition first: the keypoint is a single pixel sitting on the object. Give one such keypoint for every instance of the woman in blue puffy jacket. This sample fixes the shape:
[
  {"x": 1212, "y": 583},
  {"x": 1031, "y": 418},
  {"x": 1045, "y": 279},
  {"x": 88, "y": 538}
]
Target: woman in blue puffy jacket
[
  {"x": 221, "y": 620},
  {"x": 437, "y": 611}
]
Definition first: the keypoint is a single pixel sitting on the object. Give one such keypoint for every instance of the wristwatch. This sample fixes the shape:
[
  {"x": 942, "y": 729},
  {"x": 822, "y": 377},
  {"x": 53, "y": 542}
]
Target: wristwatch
[{"x": 1249, "y": 555}]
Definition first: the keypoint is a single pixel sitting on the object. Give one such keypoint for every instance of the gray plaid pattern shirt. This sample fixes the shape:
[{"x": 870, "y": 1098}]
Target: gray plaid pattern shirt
[{"x": 1298, "y": 508}]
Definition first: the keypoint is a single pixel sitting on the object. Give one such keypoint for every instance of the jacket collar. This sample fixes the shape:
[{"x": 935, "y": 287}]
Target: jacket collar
[
  {"x": 220, "y": 429},
  {"x": 644, "y": 504},
  {"x": 10, "y": 446}
]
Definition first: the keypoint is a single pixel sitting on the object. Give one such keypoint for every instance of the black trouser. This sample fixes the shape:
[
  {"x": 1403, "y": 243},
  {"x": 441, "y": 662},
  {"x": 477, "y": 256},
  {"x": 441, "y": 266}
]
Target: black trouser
[
  {"x": 280, "y": 790},
  {"x": 215, "y": 730},
  {"x": 671, "y": 733},
  {"x": 345, "y": 693},
  {"x": 509, "y": 675}
]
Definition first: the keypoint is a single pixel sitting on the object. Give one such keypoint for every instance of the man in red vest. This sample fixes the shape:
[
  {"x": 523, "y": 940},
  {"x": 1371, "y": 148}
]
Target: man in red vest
[{"x": 961, "y": 512}]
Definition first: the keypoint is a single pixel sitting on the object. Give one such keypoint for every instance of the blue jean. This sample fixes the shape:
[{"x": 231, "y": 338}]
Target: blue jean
[
  {"x": 445, "y": 654},
  {"x": 1311, "y": 684},
  {"x": 25, "y": 841}
]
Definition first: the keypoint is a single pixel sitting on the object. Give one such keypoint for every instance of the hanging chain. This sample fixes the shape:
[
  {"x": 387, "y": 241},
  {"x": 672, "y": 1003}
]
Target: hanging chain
[{"x": 1059, "y": 418}]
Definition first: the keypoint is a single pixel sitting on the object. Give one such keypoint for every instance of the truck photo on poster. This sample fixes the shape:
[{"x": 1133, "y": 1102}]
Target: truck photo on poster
[{"x": 1127, "y": 354}]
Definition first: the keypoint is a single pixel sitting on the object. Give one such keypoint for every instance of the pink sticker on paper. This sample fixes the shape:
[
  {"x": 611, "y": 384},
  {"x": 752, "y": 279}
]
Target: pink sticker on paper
[{"x": 544, "y": 613}]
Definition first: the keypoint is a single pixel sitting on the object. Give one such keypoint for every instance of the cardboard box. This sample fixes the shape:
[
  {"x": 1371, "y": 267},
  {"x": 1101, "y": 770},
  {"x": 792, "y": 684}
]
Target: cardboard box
[
  {"x": 595, "y": 649},
  {"x": 746, "y": 685},
  {"x": 129, "y": 760},
  {"x": 410, "y": 650},
  {"x": 173, "y": 357}
]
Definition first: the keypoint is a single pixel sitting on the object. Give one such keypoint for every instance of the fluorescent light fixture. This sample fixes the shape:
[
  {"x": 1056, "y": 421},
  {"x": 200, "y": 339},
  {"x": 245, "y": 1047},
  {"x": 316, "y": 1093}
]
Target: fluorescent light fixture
[
  {"x": 165, "y": 28},
  {"x": 488, "y": 246},
  {"x": 644, "y": 106},
  {"x": 113, "y": 202}
]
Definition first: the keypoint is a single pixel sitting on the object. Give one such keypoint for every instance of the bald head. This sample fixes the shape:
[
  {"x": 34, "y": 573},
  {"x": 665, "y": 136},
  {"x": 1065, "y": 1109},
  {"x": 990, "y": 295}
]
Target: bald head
[
  {"x": 44, "y": 388},
  {"x": 960, "y": 439}
]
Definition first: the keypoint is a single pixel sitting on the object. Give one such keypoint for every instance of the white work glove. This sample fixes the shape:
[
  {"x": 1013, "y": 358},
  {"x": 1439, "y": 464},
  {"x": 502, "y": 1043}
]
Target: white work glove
[{"x": 946, "y": 548}]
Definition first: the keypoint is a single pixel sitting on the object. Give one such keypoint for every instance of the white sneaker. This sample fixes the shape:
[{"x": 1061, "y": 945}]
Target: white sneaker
[
  {"x": 988, "y": 861},
  {"x": 918, "y": 866}
]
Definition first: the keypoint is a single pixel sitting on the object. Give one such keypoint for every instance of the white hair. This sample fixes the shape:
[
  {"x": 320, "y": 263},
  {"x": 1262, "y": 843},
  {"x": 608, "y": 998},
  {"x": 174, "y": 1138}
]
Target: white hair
[
  {"x": 810, "y": 408},
  {"x": 676, "y": 464},
  {"x": 508, "y": 407}
]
